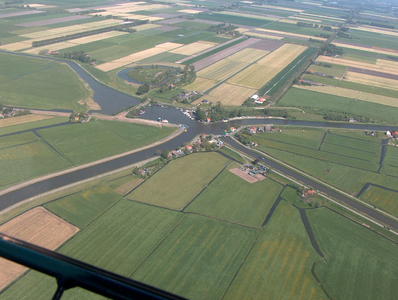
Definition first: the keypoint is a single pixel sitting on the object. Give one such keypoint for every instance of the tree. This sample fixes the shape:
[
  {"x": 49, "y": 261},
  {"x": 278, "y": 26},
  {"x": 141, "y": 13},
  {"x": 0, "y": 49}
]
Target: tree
[
  {"x": 200, "y": 114},
  {"x": 165, "y": 153},
  {"x": 142, "y": 89},
  {"x": 1, "y": 107}
]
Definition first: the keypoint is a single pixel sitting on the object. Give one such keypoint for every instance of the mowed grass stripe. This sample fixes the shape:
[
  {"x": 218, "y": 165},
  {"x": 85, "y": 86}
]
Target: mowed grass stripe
[
  {"x": 354, "y": 143},
  {"x": 279, "y": 265},
  {"x": 353, "y": 252},
  {"x": 381, "y": 198},
  {"x": 233, "y": 199},
  {"x": 350, "y": 152},
  {"x": 198, "y": 259},
  {"x": 179, "y": 181}
]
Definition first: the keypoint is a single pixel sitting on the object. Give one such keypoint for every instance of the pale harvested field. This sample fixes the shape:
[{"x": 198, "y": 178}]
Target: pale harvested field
[
  {"x": 16, "y": 46},
  {"x": 374, "y": 15},
  {"x": 258, "y": 74},
  {"x": 376, "y": 30},
  {"x": 288, "y": 21},
  {"x": 289, "y": 33},
  {"x": 128, "y": 186},
  {"x": 280, "y": 8},
  {"x": 386, "y": 63},
  {"x": 305, "y": 19},
  {"x": 240, "y": 29},
  {"x": 189, "y": 11},
  {"x": 120, "y": 62},
  {"x": 229, "y": 94},
  {"x": 146, "y": 26},
  {"x": 247, "y": 15},
  {"x": 331, "y": 90},
  {"x": 193, "y": 48},
  {"x": 22, "y": 120},
  {"x": 52, "y": 47},
  {"x": 372, "y": 80},
  {"x": 222, "y": 69},
  {"x": 248, "y": 55},
  {"x": 37, "y": 226},
  {"x": 200, "y": 84},
  {"x": 350, "y": 63},
  {"x": 321, "y": 16},
  {"x": 373, "y": 50},
  {"x": 264, "y": 36},
  {"x": 97, "y": 37},
  {"x": 243, "y": 175}
]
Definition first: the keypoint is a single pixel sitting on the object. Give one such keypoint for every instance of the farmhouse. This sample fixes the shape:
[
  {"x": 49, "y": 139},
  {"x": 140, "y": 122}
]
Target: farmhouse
[{"x": 259, "y": 100}]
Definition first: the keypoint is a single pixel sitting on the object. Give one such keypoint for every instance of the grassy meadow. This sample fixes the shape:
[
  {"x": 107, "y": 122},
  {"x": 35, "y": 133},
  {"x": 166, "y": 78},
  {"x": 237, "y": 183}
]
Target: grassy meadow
[
  {"x": 82, "y": 143},
  {"x": 41, "y": 84},
  {"x": 381, "y": 198},
  {"x": 279, "y": 264},
  {"x": 176, "y": 185},
  {"x": 82, "y": 208},
  {"x": 202, "y": 272},
  {"x": 233, "y": 199},
  {"x": 353, "y": 253}
]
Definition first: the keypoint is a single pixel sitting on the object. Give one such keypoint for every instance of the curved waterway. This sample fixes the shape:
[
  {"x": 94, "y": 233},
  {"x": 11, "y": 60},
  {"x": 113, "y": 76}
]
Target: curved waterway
[{"x": 111, "y": 100}]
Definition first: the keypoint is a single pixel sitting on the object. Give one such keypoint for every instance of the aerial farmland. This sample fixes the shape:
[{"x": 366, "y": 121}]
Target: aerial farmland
[{"x": 209, "y": 149}]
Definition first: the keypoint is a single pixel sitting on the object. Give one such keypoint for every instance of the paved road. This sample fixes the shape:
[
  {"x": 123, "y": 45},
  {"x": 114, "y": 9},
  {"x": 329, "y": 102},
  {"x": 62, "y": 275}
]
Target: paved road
[{"x": 319, "y": 187}]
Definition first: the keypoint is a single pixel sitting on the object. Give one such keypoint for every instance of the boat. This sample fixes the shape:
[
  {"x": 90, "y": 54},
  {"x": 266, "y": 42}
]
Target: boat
[
  {"x": 159, "y": 119},
  {"x": 165, "y": 121},
  {"x": 142, "y": 112}
]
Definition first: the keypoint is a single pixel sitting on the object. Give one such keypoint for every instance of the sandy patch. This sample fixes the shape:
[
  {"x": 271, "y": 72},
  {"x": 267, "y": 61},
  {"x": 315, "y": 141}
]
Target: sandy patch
[
  {"x": 243, "y": 175},
  {"x": 16, "y": 46},
  {"x": 128, "y": 186},
  {"x": 189, "y": 11},
  {"x": 37, "y": 226},
  {"x": 391, "y": 69},
  {"x": 21, "y": 120},
  {"x": 193, "y": 48},
  {"x": 289, "y": 33}
]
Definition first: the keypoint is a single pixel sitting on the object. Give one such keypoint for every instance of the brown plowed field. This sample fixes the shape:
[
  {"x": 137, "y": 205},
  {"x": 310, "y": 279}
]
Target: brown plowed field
[{"x": 37, "y": 226}]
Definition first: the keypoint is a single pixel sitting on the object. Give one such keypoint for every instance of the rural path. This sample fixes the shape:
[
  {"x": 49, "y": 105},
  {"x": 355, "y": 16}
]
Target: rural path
[
  {"x": 42, "y": 178},
  {"x": 353, "y": 204}
]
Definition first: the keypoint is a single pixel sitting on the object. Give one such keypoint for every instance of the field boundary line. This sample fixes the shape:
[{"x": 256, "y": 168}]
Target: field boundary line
[
  {"x": 321, "y": 194},
  {"x": 316, "y": 180},
  {"x": 158, "y": 245},
  {"x": 75, "y": 183}
]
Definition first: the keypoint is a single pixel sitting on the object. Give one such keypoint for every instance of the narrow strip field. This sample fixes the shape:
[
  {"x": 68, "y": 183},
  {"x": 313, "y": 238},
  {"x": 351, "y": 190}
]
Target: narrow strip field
[
  {"x": 258, "y": 74},
  {"x": 229, "y": 95}
]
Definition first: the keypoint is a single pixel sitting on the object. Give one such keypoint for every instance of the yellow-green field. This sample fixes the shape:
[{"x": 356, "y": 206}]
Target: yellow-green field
[
  {"x": 342, "y": 92},
  {"x": 200, "y": 84},
  {"x": 371, "y": 80},
  {"x": 279, "y": 265},
  {"x": 381, "y": 198},
  {"x": 176, "y": 185}
]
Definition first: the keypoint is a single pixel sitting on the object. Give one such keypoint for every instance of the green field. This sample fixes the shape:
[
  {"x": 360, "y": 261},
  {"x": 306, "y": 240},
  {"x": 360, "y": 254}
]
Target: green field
[
  {"x": 180, "y": 180},
  {"x": 381, "y": 198},
  {"x": 40, "y": 84},
  {"x": 201, "y": 36},
  {"x": 82, "y": 143},
  {"x": 193, "y": 24},
  {"x": 279, "y": 265},
  {"x": 356, "y": 134},
  {"x": 24, "y": 156},
  {"x": 343, "y": 155},
  {"x": 371, "y": 39},
  {"x": 335, "y": 70},
  {"x": 233, "y": 199},
  {"x": 146, "y": 75},
  {"x": 391, "y": 157},
  {"x": 233, "y": 19},
  {"x": 82, "y": 208},
  {"x": 198, "y": 259},
  {"x": 353, "y": 254},
  {"x": 354, "y": 143},
  {"x": 324, "y": 102},
  {"x": 119, "y": 241}
]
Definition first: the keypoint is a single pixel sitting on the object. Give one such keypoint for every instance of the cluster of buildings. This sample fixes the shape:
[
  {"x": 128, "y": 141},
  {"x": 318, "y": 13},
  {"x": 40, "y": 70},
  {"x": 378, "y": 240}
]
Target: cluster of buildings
[
  {"x": 253, "y": 130},
  {"x": 259, "y": 100},
  {"x": 393, "y": 134},
  {"x": 252, "y": 170},
  {"x": 7, "y": 112}
]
